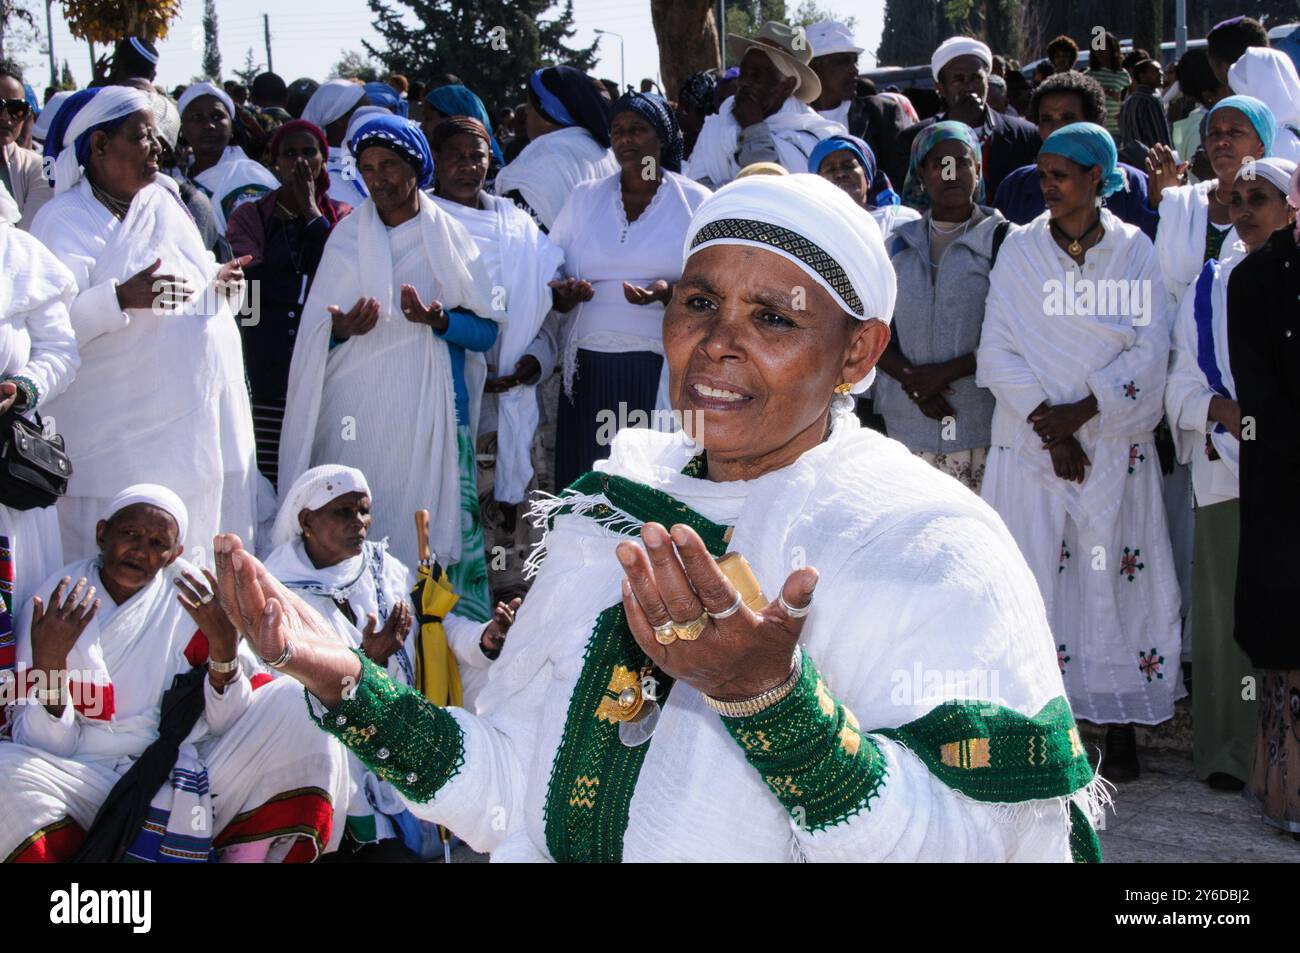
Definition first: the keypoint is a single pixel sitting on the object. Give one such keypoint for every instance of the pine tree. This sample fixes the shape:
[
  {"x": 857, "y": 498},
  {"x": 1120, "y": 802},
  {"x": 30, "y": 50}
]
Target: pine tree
[
  {"x": 911, "y": 32},
  {"x": 211, "y": 52},
  {"x": 492, "y": 45},
  {"x": 250, "y": 71},
  {"x": 66, "y": 79}
]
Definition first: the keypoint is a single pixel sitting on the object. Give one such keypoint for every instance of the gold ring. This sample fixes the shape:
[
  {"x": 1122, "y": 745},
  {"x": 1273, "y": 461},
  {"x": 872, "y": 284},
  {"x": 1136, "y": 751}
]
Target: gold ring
[
  {"x": 666, "y": 634},
  {"x": 690, "y": 631}
]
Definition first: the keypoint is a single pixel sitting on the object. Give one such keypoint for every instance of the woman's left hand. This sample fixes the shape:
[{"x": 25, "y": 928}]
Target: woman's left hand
[
  {"x": 199, "y": 597},
  {"x": 416, "y": 312},
  {"x": 493, "y": 639},
  {"x": 656, "y": 292},
  {"x": 230, "y": 277},
  {"x": 1054, "y": 424},
  {"x": 924, "y": 381},
  {"x": 8, "y": 394},
  {"x": 732, "y": 659}
]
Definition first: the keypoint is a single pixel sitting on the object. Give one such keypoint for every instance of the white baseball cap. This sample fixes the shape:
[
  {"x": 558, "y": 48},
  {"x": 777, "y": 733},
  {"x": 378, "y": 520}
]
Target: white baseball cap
[{"x": 827, "y": 37}]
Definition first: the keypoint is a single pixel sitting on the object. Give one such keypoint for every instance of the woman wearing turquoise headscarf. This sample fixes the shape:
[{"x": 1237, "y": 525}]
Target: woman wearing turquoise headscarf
[
  {"x": 928, "y": 396},
  {"x": 914, "y": 193},
  {"x": 848, "y": 162},
  {"x": 1194, "y": 218},
  {"x": 1074, "y": 347},
  {"x": 448, "y": 101}
]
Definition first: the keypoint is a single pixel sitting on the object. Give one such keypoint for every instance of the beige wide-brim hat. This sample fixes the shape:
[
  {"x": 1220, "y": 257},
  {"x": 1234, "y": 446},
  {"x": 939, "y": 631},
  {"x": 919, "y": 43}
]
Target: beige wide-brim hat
[{"x": 790, "y": 44}]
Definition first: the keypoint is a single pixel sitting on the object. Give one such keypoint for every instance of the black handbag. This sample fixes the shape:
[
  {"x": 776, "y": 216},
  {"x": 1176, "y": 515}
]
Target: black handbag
[{"x": 34, "y": 469}]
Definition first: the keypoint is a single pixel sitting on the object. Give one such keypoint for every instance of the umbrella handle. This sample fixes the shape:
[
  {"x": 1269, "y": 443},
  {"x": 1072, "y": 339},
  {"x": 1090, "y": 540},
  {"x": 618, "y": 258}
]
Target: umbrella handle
[{"x": 422, "y": 534}]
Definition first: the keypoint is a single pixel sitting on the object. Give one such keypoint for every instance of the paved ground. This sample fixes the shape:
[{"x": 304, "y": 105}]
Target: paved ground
[{"x": 1167, "y": 815}]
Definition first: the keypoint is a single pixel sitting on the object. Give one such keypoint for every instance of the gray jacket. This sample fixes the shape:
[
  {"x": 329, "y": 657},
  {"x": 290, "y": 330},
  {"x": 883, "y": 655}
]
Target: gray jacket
[{"x": 934, "y": 323}]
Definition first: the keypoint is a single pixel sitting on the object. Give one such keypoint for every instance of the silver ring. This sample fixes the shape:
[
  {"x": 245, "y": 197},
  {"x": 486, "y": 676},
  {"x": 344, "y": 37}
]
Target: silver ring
[
  {"x": 790, "y": 610},
  {"x": 206, "y": 598},
  {"x": 728, "y": 612}
]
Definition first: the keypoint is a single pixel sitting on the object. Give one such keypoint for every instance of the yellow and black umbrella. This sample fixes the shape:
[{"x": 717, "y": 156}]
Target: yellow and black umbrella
[{"x": 436, "y": 674}]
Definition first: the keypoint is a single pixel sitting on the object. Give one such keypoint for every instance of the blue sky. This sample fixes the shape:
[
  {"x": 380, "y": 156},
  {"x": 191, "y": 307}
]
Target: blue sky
[{"x": 309, "y": 36}]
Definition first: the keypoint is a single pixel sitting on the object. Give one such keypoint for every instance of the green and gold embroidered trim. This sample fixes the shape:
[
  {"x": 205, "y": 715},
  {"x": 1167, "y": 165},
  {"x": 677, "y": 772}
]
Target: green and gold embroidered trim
[
  {"x": 1085, "y": 845},
  {"x": 397, "y": 733},
  {"x": 594, "y": 774},
  {"x": 812, "y": 755},
  {"x": 992, "y": 753}
]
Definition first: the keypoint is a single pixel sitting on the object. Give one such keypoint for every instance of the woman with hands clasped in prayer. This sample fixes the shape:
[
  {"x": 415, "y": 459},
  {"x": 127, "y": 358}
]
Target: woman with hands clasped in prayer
[
  {"x": 1074, "y": 347},
  {"x": 646, "y": 676}
]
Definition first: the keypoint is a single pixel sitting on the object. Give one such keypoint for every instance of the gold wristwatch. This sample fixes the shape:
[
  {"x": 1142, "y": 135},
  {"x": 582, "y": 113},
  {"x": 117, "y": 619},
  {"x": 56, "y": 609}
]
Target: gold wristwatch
[{"x": 752, "y": 706}]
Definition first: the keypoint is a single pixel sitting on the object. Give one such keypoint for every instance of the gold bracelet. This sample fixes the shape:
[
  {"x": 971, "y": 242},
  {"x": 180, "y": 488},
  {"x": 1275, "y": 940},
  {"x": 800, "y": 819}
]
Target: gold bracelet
[{"x": 763, "y": 701}]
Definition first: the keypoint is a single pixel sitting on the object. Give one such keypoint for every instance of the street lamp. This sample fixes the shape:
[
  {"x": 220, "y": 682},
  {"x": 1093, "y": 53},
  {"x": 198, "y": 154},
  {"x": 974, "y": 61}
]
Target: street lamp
[{"x": 622, "y": 73}]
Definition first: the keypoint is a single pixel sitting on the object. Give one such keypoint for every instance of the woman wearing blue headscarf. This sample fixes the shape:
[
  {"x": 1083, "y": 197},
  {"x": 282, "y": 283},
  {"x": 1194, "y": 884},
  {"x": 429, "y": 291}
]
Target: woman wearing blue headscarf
[
  {"x": 381, "y": 94},
  {"x": 1194, "y": 219},
  {"x": 568, "y": 143},
  {"x": 455, "y": 100},
  {"x": 1075, "y": 347},
  {"x": 388, "y": 367},
  {"x": 849, "y": 163},
  {"x": 622, "y": 238}
]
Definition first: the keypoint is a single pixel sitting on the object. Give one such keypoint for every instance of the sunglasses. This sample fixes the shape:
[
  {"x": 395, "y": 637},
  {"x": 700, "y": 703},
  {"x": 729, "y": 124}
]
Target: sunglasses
[{"x": 17, "y": 108}]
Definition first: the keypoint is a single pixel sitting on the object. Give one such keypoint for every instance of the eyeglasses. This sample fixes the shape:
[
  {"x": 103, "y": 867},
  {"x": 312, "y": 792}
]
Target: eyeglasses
[{"x": 17, "y": 108}]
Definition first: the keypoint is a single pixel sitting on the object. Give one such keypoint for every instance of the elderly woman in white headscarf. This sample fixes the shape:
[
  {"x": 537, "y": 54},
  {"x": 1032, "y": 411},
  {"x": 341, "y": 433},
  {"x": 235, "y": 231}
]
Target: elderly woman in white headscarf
[
  {"x": 1206, "y": 420},
  {"x": 679, "y": 640},
  {"x": 222, "y": 170},
  {"x": 331, "y": 108},
  {"x": 38, "y": 360},
  {"x": 143, "y": 733},
  {"x": 160, "y": 394},
  {"x": 364, "y": 593}
]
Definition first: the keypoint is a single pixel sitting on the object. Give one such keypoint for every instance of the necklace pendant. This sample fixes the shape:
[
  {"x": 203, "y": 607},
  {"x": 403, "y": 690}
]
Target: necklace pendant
[
  {"x": 1075, "y": 248},
  {"x": 637, "y": 732}
]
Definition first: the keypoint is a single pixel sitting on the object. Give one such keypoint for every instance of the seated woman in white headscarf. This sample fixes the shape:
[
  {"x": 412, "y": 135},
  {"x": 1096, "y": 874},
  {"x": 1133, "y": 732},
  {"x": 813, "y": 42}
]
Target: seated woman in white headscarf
[
  {"x": 1074, "y": 348},
  {"x": 38, "y": 360},
  {"x": 388, "y": 367},
  {"x": 331, "y": 107},
  {"x": 139, "y": 734},
  {"x": 1194, "y": 218},
  {"x": 227, "y": 176},
  {"x": 620, "y": 234},
  {"x": 1201, "y": 400},
  {"x": 524, "y": 263},
  {"x": 646, "y": 707},
  {"x": 323, "y": 554},
  {"x": 160, "y": 394},
  {"x": 568, "y": 143}
]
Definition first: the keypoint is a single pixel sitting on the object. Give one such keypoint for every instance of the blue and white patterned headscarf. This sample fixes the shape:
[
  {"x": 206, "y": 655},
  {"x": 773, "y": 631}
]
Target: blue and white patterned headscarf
[
  {"x": 929, "y": 137},
  {"x": 697, "y": 90},
  {"x": 656, "y": 111},
  {"x": 403, "y": 137}
]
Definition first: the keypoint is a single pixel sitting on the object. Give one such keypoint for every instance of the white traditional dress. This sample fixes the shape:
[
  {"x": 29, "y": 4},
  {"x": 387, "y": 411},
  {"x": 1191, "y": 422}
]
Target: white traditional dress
[
  {"x": 234, "y": 180},
  {"x": 1181, "y": 235},
  {"x": 932, "y": 726},
  {"x": 1099, "y": 550},
  {"x": 795, "y": 128},
  {"x": 252, "y": 772},
  {"x": 520, "y": 261},
  {"x": 36, "y": 346},
  {"x": 383, "y": 402},
  {"x": 547, "y": 169},
  {"x": 160, "y": 396}
]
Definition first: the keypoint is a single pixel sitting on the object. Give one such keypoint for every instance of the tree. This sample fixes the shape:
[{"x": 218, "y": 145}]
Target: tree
[
  {"x": 910, "y": 34},
  {"x": 808, "y": 12},
  {"x": 107, "y": 21},
  {"x": 251, "y": 70},
  {"x": 211, "y": 51},
  {"x": 356, "y": 65},
  {"x": 1147, "y": 28},
  {"x": 687, "y": 32},
  {"x": 66, "y": 79},
  {"x": 492, "y": 44},
  {"x": 14, "y": 13}
]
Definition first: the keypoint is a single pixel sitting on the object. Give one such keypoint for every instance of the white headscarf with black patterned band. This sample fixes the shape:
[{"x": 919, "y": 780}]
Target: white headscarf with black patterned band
[{"x": 813, "y": 224}]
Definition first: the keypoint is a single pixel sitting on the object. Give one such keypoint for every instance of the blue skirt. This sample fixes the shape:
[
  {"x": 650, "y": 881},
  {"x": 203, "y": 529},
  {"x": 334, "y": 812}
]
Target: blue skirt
[{"x": 607, "y": 390}]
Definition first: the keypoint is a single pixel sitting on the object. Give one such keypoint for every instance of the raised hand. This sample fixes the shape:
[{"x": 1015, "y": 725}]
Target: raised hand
[
  {"x": 568, "y": 293},
  {"x": 493, "y": 639},
  {"x": 147, "y": 289},
  {"x": 415, "y": 310},
  {"x": 55, "y": 629},
  {"x": 675, "y": 580},
  {"x": 199, "y": 599},
  {"x": 380, "y": 645},
  {"x": 657, "y": 292},
  {"x": 359, "y": 319}
]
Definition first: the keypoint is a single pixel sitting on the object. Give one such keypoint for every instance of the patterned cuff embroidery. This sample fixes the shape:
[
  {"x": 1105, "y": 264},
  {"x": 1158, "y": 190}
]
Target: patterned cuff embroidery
[
  {"x": 397, "y": 733},
  {"x": 812, "y": 754},
  {"x": 29, "y": 393}
]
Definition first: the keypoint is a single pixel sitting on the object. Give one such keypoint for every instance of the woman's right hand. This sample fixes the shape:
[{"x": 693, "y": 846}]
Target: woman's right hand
[
  {"x": 1163, "y": 172},
  {"x": 526, "y": 369},
  {"x": 1069, "y": 460},
  {"x": 359, "y": 319},
  {"x": 568, "y": 293},
  {"x": 146, "y": 290},
  {"x": 55, "y": 630},
  {"x": 1228, "y": 413},
  {"x": 380, "y": 645},
  {"x": 302, "y": 186}
]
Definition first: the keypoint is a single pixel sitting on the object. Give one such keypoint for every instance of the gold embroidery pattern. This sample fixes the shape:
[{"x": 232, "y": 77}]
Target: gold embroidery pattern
[
  {"x": 584, "y": 792},
  {"x": 754, "y": 739},
  {"x": 970, "y": 753},
  {"x": 783, "y": 784}
]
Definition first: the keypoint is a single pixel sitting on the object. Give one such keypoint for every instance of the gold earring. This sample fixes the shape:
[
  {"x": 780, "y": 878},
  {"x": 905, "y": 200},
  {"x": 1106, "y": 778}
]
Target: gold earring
[{"x": 843, "y": 389}]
